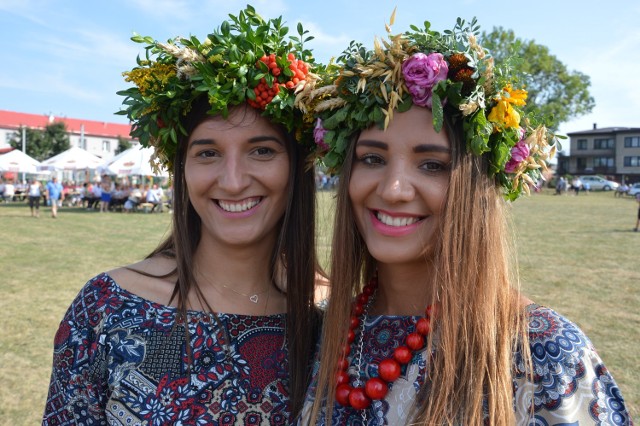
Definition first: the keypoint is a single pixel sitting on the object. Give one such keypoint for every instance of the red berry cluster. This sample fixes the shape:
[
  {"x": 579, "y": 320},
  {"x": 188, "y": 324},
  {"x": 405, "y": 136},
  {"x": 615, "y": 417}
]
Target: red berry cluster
[
  {"x": 264, "y": 93},
  {"x": 389, "y": 369}
]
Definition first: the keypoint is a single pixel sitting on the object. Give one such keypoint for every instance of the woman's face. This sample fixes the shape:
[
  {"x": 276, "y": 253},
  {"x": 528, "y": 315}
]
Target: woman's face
[
  {"x": 398, "y": 186},
  {"x": 237, "y": 173}
]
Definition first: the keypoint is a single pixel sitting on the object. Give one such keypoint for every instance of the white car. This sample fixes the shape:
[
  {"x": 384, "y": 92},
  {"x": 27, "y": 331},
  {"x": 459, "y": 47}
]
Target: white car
[
  {"x": 634, "y": 190},
  {"x": 597, "y": 183}
]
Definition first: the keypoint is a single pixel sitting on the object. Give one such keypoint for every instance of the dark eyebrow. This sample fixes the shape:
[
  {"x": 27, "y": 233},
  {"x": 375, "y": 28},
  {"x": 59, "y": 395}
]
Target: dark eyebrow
[
  {"x": 431, "y": 148},
  {"x": 418, "y": 149},
  {"x": 373, "y": 144},
  {"x": 255, "y": 139}
]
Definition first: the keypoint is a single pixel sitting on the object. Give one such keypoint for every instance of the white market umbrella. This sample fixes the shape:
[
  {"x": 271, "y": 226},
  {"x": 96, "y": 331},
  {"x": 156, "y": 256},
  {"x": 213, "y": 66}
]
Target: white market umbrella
[
  {"x": 73, "y": 159},
  {"x": 132, "y": 162},
  {"x": 19, "y": 162}
]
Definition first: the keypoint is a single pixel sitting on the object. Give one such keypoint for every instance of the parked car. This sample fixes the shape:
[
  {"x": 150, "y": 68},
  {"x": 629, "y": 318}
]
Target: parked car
[
  {"x": 634, "y": 190},
  {"x": 599, "y": 183}
]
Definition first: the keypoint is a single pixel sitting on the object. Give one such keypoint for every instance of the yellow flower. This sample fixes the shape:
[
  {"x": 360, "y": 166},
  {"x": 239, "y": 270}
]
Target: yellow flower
[
  {"x": 149, "y": 80},
  {"x": 515, "y": 97},
  {"x": 504, "y": 115}
]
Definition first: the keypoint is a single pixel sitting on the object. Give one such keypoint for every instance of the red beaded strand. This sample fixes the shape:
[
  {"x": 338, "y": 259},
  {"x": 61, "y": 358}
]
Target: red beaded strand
[{"x": 376, "y": 388}]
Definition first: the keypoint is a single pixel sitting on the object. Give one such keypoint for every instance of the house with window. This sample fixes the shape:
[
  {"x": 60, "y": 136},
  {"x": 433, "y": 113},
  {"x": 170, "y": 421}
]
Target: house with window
[
  {"x": 98, "y": 137},
  {"x": 613, "y": 152}
]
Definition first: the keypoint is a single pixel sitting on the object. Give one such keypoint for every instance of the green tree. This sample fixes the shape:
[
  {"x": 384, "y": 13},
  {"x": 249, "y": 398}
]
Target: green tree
[
  {"x": 555, "y": 93},
  {"x": 123, "y": 145},
  {"x": 43, "y": 143}
]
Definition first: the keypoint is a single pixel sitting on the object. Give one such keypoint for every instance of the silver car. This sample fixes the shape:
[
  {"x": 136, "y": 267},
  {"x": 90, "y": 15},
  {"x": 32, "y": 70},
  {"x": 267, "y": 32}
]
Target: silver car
[{"x": 599, "y": 183}]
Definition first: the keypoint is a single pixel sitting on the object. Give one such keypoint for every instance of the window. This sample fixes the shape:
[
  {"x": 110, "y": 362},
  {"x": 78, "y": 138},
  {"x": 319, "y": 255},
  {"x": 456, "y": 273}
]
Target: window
[
  {"x": 633, "y": 161},
  {"x": 603, "y": 143},
  {"x": 106, "y": 146},
  {"x": 581, "y": 163},
  {"x": 603, "y": 162},
  {"x": 582, "y": 144},
  {"x": 632, "y": 142}
]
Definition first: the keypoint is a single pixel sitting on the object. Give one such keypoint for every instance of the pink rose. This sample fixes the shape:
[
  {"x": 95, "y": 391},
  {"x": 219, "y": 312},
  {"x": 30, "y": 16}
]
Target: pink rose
[
  {"x": 518, "y": 154},
  {"x": 318, "y": 135},
  {"x": 421, "y": 73}
]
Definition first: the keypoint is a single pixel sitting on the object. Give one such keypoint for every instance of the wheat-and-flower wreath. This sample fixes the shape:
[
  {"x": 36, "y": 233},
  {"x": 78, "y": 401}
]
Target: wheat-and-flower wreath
[
  {"x": 247, "y": 59},
  {"x": 448, "y": 72}
]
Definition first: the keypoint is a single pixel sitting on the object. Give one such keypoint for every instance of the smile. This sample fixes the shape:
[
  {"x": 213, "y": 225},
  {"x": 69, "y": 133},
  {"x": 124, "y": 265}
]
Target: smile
[
  {"x": 396, "y": 221},
  {"x": 239, "y": 206}
]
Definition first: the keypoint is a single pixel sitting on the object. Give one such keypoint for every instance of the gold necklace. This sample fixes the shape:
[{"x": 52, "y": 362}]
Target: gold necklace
[{"x": 255, "y": 297}]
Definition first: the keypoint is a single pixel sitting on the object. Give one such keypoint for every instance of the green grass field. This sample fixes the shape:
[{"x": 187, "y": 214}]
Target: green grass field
[{"x": 577, "y": 255}]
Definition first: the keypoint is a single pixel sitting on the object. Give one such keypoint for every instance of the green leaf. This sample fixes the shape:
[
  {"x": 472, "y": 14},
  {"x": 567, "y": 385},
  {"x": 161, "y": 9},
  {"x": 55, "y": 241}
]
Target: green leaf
[{"x": 338, "y": 117}]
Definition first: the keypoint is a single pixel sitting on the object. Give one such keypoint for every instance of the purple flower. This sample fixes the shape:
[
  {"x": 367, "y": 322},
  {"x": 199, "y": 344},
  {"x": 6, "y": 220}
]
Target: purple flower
[
  {"x": 318, "y": 135},
  {"x": 518, "y": 154},
  {"x": 421, "y": 73}
]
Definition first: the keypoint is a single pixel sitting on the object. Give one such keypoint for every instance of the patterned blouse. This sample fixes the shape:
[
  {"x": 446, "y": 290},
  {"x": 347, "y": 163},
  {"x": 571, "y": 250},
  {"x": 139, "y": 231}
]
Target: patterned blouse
[
  {"x": 121, "y": 360},
  {"x": 571, "y": 384}
]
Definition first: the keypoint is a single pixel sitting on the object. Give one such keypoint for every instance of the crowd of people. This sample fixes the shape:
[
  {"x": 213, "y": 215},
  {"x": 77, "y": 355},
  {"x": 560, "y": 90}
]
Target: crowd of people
[{"x": 106, "y": 195}]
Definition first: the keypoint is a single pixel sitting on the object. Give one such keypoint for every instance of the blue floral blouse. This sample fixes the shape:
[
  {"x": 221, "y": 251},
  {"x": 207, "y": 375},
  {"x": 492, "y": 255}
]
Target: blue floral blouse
[
  {"x": 571, "y": 385},
  {"x": 121, "y": 360}
]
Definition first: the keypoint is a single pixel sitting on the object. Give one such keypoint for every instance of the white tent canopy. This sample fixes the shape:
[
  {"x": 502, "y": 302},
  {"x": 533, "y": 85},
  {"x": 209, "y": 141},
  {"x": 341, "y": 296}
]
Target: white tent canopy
[
  {"x": 19, "y": 162},
  {"x": 132, "y": 162},
  {"x": 74, "y": 158}
]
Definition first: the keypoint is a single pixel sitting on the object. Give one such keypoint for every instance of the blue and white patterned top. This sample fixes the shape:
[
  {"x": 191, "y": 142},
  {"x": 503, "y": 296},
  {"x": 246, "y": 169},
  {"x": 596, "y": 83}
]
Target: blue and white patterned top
[
  {"x": 121, "y": 360},
  {"x": 571, "y": 385}
]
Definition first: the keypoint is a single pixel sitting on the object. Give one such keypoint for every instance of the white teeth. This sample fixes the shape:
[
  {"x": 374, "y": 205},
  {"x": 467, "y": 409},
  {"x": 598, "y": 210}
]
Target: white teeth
[
  {"x": 396, "y": 221},
  {"x": 238, "y": 207}
]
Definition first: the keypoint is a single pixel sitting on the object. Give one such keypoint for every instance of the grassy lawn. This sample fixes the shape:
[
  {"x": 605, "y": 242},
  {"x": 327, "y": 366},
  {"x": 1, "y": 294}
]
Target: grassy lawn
[{"x": 577, "y": 255}]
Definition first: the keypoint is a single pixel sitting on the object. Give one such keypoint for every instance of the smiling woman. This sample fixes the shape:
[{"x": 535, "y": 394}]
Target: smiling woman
[
  {"x": 218, "y": 324},
  {"x": 426, "y": 324}
]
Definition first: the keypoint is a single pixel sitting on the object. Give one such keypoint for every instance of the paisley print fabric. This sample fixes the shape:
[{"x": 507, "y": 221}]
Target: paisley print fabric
[
  {"x": 122, "y": 360},
  {"x": 571, "y": 385}
]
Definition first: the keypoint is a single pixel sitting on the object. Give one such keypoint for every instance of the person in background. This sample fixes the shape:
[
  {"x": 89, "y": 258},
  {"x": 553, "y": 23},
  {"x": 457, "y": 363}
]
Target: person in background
[
  {"x": 54, "y": 194},
  {"x": 218, "y": 324},
  {"x": 9, "y": 191},
  {"x": 576, "y": 185},
  {"x": 96, "y": 196},
  {"x": 106, "y": 187},
  {"x": 134, "y": 198},
  {"x": 638, "y": 220},
  {"x": 34, "y": 191},
  {"x": 155, "y": 196},
  {"x": 425, "y": 322}
]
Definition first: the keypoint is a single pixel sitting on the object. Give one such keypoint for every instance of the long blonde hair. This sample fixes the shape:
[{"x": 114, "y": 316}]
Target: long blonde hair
[{"x": 480, "y": 321}]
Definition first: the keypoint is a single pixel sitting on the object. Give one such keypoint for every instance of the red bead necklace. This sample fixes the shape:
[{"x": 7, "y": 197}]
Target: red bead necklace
[{"x": 376, "y": 388}]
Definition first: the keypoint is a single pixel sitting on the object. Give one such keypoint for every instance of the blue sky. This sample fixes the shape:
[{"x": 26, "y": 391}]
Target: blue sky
[{"x": 66, "y": 57}]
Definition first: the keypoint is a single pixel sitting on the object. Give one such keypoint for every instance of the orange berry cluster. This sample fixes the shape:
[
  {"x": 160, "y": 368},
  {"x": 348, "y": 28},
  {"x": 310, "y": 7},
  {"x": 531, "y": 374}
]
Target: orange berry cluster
[{"x": 264, "y": 93}]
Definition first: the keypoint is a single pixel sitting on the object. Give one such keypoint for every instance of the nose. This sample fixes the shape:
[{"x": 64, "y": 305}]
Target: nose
[
  {"x": 396, "y": 185},
  {"x": 234, "y": 175}
]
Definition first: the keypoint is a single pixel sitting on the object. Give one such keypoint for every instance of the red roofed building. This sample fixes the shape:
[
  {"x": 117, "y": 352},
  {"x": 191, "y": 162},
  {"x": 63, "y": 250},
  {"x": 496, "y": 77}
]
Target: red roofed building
[{"x": 98, "y": 137}]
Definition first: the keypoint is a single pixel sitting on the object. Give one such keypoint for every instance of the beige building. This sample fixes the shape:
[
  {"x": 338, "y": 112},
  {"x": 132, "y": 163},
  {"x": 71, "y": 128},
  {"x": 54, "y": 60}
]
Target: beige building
[{"x": 612, "y": 152}]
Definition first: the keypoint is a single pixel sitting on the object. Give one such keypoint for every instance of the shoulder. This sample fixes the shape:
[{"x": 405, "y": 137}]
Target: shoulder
[
  {"x": 152, "y": 279},
  {"x": 570, "y": 383},
  {"x": 553, "y": 336}
]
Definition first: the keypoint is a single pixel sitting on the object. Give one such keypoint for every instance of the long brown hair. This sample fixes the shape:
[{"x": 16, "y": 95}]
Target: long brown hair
[
  {"x": 479, "y": 320},
  {"x": 294, "y": 248}
]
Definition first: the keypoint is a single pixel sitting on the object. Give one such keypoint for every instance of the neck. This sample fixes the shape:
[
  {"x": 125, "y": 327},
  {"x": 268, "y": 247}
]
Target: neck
[
  {"x": 403, "y": 290},
  {"x": 246, "y": 270}
]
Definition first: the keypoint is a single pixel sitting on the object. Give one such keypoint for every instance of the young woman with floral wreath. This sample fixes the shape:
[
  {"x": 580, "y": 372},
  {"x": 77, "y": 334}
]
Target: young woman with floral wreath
[
  {"x": 218, "y": 324},
  {"x": 425, "y": 324}
]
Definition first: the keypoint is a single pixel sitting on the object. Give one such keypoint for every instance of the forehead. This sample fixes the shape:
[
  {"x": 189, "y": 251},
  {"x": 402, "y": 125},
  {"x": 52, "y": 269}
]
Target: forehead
[
  {"x": 241, "y": 122},
  {"x": 411, "y": 127}
]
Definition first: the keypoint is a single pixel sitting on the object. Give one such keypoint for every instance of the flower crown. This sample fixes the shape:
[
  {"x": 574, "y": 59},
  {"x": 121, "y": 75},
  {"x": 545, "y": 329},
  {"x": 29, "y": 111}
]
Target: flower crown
[
  {"x": 448, "y": 73},
  {"x": 245, "y": 60}
]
